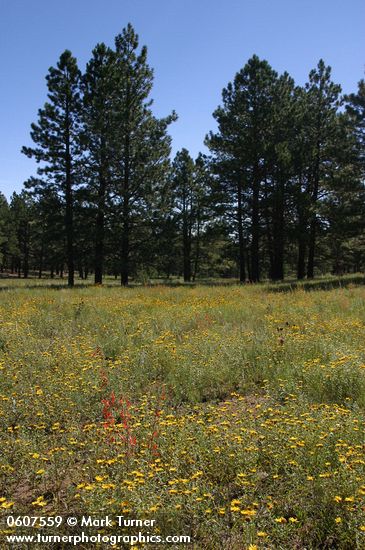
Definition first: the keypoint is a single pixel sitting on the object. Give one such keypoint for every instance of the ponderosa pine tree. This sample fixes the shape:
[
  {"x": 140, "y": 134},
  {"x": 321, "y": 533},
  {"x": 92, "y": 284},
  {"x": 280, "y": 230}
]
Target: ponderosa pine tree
[
  {"x": 355, "y": 108},
  {"x": 188, "y": 197},
  {"x": 300, "y": 200},
  {"x": 56, "y": 136},
  {"x": 321, "y": 125},
  {"x": 239, "y": 150},
  {"x": 4, "y": 237},
  {"x": 22, "y": 216},
  {"x": 141, "y": 145},
  {"x": 277, "y": 186},
  {"x": 202, "y": 207},
  {"x": 183, "y": 204},
  {"x": 48, "y": 230},
  {"x": 285, "y": 178},
  {"x": 99, "y": 96},
  {"x": 343, "y": 205}
]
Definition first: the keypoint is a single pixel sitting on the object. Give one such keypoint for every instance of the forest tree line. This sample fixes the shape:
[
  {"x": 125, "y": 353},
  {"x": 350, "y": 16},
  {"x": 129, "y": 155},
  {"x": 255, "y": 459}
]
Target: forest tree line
[{"x": 280, "y": 192}]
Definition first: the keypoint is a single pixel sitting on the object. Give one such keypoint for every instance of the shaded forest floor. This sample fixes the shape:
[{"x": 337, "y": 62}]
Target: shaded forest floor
[
  {"x": 10, "y": 281},
  {"x": 233, "y": 414}
]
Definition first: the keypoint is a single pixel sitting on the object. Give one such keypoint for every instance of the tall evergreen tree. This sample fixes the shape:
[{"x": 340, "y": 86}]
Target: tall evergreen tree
[
  {"x": 239, "y": 150},
  {"x": 48, "y": 232},
  {"x": 277, "y": 187},
  {"x": 56, "y": 136},
  {"x": 355, "y": 108},
  {"x": 22, "y": 216},
  {"x": 98, "y": 100},
  {"x": 300, "y": 198},
  {"x": 321, "y": 124},
  {"x": 4, "y": 210},
  {"x": 183, "y": 192},
  {"x": 202, "y": 207},
  {"x": 282, "y": 190},
  {"x": 140, "y": 141}
]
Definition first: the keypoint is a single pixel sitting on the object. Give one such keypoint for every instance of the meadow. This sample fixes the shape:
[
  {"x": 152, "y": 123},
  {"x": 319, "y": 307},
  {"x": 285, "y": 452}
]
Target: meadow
[{"x": 233, "y": 414}]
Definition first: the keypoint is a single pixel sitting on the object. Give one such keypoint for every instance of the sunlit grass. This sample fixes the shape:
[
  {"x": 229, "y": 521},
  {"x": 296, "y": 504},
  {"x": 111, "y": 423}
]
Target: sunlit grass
[{"x": 234, "y": 414}]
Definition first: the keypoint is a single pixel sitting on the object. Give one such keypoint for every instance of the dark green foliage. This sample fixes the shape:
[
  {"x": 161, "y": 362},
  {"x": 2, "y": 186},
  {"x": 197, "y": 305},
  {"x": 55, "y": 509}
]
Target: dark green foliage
[
  {"x": 281, "y": 194},
  {"x": 57, "y": 143},
  {"x": 249, "y": 158},
  {"x": 280, "y": 154},
  {"x": 355, "y": 107},
  {"x": 98, "y": 94},
  {"x": 4, "y": 237},
  {"x": 140, "y": 142}
]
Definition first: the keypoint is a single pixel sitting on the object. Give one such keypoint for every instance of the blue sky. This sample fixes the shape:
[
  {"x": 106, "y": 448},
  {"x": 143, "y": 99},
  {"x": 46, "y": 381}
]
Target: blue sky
[{"x": 195, "y": 48}]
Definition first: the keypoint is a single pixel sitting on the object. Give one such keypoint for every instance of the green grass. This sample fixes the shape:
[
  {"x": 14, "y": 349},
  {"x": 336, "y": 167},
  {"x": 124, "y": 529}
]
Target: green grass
[{"x": 238, "y": 416}]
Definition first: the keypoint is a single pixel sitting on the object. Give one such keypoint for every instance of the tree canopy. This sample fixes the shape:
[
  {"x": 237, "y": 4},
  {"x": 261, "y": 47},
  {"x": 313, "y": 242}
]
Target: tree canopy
[{"x": 280, "y": 193}]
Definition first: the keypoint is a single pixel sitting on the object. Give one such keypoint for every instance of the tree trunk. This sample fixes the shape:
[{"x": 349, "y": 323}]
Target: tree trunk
[
  {"x": 197, "y": 244},
  {"x": 124, "y": 279},
  {"x": 186, "y": 244},
  {"x": 41, "y": 255},
  {"x": 69, "y": 204},
  {"x": 255, "y": 230},
  {"x": 311, "y": 248},
  {"x": 248, "y": 266},
  {"x": 314, "y": 199},
  {"x": 26, "y": 252},
  {"x": 278, "y": 248},
  {"x": 301, "y": 254},
  {"x": 125, "y": 252},
  {"x": 99, "y": 233},
  {"x": 270, "y": 227},
  {"x": 302, "y": 210},
  {"x": 241, "y": 240},
  {"x": 186, "y": 251}
]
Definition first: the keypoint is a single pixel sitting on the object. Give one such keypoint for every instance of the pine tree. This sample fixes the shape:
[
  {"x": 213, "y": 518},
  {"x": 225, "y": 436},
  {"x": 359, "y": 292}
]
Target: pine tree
[
  {"x": 355, "y": 107},
  {"x": 48, "y": 233},
  {"x": 4, "y": 212},
  {"x": 141, "y": 146},
  {"x": 183, "y": 192},
  {"x": 22, "y": 218},
  {"x": 300, "y": 196},
  {"x": 56, "y": 136},
  {"x": 343, "y": 205},
  {"x": 202, "y": 207},
  {"x": 98, "y": 99},
  {"x": 239, "y": 150},
  {"x": 277, "y": 187},
  {"x": 321, "y": 122}
]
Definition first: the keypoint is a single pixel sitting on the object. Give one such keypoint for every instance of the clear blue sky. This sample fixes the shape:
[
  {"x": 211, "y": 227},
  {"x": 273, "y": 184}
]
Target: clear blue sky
[{"x": 195, "y": 47}]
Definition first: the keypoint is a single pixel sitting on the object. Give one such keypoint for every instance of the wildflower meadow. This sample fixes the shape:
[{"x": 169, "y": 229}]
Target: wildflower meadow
[{"x": 231, "y": 414}]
